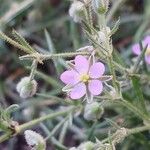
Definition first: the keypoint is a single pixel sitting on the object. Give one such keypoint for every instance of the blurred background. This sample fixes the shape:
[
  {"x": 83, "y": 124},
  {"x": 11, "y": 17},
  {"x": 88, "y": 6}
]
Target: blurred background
[{"x": 46, "y": 25}]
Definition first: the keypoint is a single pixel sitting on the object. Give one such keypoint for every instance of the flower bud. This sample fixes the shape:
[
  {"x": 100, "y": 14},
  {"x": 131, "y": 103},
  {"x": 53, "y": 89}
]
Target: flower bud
[
  {"x": 101, "y": 37},
  {"x": 103, "y": 34},
  {"x": 35, "y": 140},
  {"x": 76, "y": 11},
  {"x": 86, "y": 146},
  {"x": 26, "y": 88},
  {"x": 73, "y": 148},
  {"x": 93, "y": 111},
  {"x": 100, "y": 6}
]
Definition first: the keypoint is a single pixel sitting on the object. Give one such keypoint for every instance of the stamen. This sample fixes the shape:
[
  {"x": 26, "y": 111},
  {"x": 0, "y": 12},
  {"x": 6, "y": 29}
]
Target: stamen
[{"x": 84, "y": 78}]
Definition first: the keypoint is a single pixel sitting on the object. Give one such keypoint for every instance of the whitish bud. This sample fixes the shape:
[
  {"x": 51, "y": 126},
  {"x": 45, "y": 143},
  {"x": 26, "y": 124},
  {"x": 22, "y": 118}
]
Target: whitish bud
[
  {"x": 86, "y": 146},
  {"x": 100, "y": 6},
  {"x": 103, "y": 34},
  {"x": 35, "y": 140},
  {"x": 76, "y": 11},
  {"x": 26, "y": 88},
  {"x": 73, "y": 148},
  {"x": 93, "y": 111},
  {"x": 101, "y": 37}
]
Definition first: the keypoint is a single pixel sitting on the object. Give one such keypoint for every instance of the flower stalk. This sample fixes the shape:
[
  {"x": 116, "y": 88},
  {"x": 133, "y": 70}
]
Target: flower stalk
[{"x": 18, "y": 129}]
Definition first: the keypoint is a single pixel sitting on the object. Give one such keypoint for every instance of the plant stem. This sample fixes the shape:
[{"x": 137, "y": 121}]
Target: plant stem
[
  {"x": 50, "y": 56},
  {"x": 14, "y": 43},
  {"x": 129, "y": 132},
  {"x": 5, "y": 136},
  {"x": 138, "y": 129},
  {"x": 103, "y": 24},
  {"x": 33, "y": 70},
  {"x": 30, "y": 124},
  {"x": 134, "y": 109},
  {"x": 43, "y": 118},
  {"x": 111, "y": 67}
]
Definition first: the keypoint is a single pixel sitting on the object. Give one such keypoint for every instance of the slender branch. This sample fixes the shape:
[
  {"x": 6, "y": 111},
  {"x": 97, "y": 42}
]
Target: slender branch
[
  {"x": 50, "y": 56},
  {"x": 129, "y": 132},
  {"x": 33, "y": 70},
  {"x": 43, "y": 118},
  {"x": 14, "y": 43},
  {"x": 134, "y": 109},
  {"x": 21, "y": 128},
  {"x": 138, "y": 129}
]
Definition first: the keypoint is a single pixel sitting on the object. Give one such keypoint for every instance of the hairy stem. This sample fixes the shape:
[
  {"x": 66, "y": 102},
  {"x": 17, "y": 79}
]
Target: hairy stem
[{"x": 30, "y": 124}]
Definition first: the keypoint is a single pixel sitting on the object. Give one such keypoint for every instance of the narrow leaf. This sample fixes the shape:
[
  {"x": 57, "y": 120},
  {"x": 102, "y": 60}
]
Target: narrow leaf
[
  {"x": 22, "y": 41},
  {"x": 139, "y": 94},
  {"x": 141, "y": 56}
]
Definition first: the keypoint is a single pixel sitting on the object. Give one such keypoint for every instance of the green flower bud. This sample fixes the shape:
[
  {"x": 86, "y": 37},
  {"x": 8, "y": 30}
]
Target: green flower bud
[
  {"x": 93, "y": 111},
  {"x": 26, "y": 88},
  {"x": 100, "y": 6}
]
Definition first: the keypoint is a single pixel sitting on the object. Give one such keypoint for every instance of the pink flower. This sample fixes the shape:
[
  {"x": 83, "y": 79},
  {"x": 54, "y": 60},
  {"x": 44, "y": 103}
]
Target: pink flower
[
  {"x": 84, "y": 77},
  {"x": 137, "y": 50}
]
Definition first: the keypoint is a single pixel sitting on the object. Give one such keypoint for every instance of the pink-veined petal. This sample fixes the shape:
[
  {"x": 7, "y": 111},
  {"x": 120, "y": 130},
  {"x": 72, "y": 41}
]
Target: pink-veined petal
[
  {"x": 136, "y": 49},
  {"x": 70, "y": 77},
  {"x": 78, "y": 91},
  {"x": 81, "y": 64},
  {"x": 97, "y": 70},
  {"x": 95, "y": 87},
  {"x": 147, "y": 59}
]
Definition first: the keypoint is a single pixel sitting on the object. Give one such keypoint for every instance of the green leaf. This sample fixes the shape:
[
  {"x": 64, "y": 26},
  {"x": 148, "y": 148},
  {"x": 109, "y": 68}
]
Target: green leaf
[
  {"x": 115, "y": 28},
  {"x": 52, "y": 50},
  {"x": 12, "y": 108},
  {"x": 139, "y": 94},
  {"x": 50, "y": 44},
  {"x": 22, "y": 41},
  {"x": 140, "y": 57}
]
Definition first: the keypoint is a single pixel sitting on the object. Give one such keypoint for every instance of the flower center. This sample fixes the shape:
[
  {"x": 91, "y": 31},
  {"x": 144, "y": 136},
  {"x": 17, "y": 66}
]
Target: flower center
[
  {"x": 147, "y": 52},
  {"x": 84, "y": 78}
]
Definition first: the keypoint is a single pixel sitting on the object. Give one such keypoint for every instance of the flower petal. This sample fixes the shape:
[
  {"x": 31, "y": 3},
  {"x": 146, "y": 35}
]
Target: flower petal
[
  {"x": 146, "y": 41},
  {"x": 97, "y": 70},
  {"x": 78, "y": 91},
  {"x": 70, "y": 77},
  {"x": 81, "y": 64},
  {"x": 95, "y": 87},
  {"x": 136, "y": 49},
  {"x": 147, "y": 59}
]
